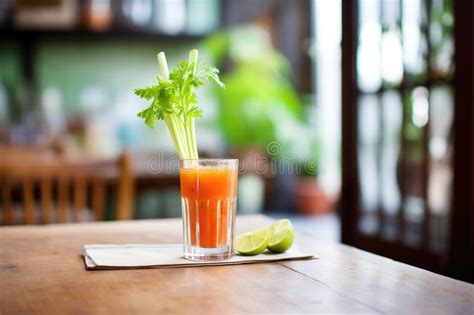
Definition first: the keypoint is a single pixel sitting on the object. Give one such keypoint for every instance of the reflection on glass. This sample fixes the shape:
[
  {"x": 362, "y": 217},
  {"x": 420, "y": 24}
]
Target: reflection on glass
[
  {"x": 326, "y": 52},
  {"x": 413, "y": 133},
  {"x": 441, "y": 39},
  {"x": 440, "y": 167},
  {"x": 368, "y": 52},
  {"x": 414, "y": 42},
  {"x": 392, "y": 116},
  {"x": 390, "y": 12},
  {"x": 392, "y": 62},
  {"x": 419, "y": 115},
  {"x": 391, "y": 46},
  {"x": 392, "y": 123},
  {"x": 416, "y": 107},
  {"x": 413, "y": 214},
  {"x": 369, "y": 134},
  {"x": 413, "y": 207}
]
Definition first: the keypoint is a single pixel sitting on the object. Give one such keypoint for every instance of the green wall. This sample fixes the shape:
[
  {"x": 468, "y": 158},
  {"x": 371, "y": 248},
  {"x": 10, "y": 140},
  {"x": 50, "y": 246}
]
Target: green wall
[
  {"x": 9, "y": 62},
  {"x": 115, "y": 66}
]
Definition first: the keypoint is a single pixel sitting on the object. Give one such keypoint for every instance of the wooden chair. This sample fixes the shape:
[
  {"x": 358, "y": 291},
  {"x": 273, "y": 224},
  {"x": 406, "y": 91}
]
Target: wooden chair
[
  {"x": 64, "y": 189},
  {"x": 51, "y": 148}
]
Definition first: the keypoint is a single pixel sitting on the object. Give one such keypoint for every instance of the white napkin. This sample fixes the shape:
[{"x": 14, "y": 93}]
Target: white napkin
[{"x": 130, "y": 256}]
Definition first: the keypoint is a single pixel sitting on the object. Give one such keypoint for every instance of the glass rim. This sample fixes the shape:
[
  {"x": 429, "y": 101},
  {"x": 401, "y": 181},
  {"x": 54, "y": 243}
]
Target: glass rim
[{"x": 210, "y": 160}]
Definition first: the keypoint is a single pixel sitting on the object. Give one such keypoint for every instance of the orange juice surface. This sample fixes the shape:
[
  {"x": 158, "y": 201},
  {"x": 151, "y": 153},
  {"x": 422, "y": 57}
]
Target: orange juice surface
[{"x": 209, "y": 196}]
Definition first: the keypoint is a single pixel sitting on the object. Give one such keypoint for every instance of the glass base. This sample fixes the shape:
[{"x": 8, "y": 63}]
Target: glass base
[
  {"x": 208, "y": 254},
  {"x": 208, "y": 228}
]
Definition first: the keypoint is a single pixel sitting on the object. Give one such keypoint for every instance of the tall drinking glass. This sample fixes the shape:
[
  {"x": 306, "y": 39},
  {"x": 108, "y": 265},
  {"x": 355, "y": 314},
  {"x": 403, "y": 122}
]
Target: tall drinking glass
[{"x": 208, "y": 196}]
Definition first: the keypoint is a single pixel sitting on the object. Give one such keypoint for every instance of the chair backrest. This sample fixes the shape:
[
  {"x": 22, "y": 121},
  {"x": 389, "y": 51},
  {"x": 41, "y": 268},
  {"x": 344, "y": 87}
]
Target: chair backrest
[
  {"x": 63, "y": 188},
  {"x": 20, "y": 151}
]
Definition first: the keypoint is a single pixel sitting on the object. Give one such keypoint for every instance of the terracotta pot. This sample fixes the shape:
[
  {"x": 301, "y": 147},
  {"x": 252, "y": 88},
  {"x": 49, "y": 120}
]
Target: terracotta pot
[{"x": 310, "y": 198}]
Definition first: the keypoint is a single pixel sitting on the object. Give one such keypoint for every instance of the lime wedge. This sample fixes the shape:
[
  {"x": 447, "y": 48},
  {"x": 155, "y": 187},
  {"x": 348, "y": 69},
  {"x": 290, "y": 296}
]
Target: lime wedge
[
  {"x": 282, "y": 236},
  {"x": 253, "y": 243}
]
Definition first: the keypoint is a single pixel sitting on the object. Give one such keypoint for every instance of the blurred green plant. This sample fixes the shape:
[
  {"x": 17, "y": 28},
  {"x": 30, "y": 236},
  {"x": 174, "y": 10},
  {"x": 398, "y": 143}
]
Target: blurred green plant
[
  {"x": 259, "y": 104},
  {"x": 309, "y": 166}
]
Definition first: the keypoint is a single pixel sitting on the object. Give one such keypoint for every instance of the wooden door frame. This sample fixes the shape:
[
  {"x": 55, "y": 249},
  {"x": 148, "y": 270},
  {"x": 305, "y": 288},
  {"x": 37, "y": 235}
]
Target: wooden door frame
[
  {"x": 461, "y": 243},
  {"x": 350, "y": 185}
]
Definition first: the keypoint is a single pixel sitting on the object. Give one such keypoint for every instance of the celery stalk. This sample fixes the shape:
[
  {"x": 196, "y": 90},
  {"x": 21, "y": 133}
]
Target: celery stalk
[
  {"x": 174, "y": 100},
  {"x": 193, "y": 59}
]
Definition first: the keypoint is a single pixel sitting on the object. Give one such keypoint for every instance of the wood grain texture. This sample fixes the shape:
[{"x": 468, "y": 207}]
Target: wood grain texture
[
  {"x": 386, "y": 285},
  {"x": 42, "y": 271}
]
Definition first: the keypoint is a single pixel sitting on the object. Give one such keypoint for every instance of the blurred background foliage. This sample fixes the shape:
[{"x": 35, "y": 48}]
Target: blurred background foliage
[{"x": 260, "y": 104}]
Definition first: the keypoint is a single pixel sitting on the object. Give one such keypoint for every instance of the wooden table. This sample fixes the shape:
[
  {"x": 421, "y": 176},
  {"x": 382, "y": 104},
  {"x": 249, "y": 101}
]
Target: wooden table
[{"x": 42, "y": 272}]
